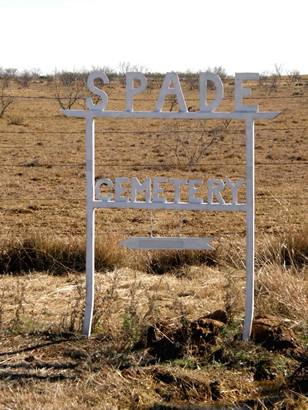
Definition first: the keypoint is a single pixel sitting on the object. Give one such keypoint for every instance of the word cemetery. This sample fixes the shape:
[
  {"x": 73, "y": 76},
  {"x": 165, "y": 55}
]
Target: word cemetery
[
  {"x": 151, "y": 192},
  {"x": 171, "y": 193}
]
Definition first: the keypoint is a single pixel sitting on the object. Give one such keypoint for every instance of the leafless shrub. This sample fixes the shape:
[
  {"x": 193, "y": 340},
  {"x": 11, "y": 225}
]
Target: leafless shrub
[
  {"x": 263, "y": 80},
  {"x": 9, "y": 73},
  {"x": 189, "y": 155},
  {"x": 270, "y": 81},
  {"x": 278, "y": 70},
  {"x": 5, "y": 101},
  {"x": 111, "y": 73},
  {"x": 125, "y": 67},
  {"x": 50, "y": 79},
  {"x": 5, "y": 79},
  {"x": 68, "y": 78},
  {"x": 152, "y": 84},
  {"x": 192, "y": 80},
  {"x": 25, "y": 78},
  {"x": 68, "y": 88},
  {"x": 292, "y": 78},
  {"x": 219, "y": 70}
]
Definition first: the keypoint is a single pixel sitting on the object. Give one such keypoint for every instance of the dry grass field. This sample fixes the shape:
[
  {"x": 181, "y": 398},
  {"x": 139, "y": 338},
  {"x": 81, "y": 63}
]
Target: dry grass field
[{"x": 167, "y": 326}]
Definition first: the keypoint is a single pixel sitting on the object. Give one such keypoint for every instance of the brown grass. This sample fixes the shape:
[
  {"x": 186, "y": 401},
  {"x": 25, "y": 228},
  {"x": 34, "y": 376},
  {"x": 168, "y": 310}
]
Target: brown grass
[
  {"x": 283, "y": 292},
  {"x": 55, "y": 255},
  {"x": 288, "y": 249},
  {"x": 176, "y": 262}
]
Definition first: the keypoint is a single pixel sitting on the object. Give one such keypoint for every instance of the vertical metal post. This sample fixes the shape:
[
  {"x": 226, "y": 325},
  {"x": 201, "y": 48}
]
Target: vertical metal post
[
  {"x": 250, "y": 227},
  {"x": 90, "y": 255}
]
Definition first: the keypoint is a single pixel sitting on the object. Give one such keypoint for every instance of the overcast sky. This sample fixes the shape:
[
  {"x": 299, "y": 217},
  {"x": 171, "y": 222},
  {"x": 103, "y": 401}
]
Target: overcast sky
[{"x": 162, "y": 35}]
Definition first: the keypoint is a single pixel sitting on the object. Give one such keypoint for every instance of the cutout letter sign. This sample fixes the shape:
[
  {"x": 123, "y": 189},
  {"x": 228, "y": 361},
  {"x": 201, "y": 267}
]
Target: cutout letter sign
[{"x": 150, "y": 193}]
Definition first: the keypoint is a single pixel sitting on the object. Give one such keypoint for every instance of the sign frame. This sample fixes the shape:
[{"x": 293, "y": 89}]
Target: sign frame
[{"x": 248, "y": 114}]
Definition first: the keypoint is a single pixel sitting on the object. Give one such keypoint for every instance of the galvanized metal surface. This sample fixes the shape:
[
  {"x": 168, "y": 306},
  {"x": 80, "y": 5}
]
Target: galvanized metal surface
[{"x": 170, "y": 243}]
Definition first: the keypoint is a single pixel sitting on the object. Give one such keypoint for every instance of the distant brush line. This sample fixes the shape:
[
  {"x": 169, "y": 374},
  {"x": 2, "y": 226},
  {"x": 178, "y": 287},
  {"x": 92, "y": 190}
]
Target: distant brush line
[
  {"x": 269, "y": 199},
  {"x": 152, "y": 132},
  {"x": 83, "y": 98},
  {"x": 147, "y": 166},
  {"x": 25, "y": 144}
]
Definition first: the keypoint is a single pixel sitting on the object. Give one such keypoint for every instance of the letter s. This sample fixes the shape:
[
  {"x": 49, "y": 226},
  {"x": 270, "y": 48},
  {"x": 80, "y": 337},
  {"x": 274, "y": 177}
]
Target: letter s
[{"x": 97, "y": 91}]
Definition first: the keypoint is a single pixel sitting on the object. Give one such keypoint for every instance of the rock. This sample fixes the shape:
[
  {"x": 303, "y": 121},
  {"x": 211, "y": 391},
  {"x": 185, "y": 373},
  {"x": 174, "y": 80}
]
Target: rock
[
  {"x": 272, "y": 333},
  {"x": 204, "y": 332},
  {"x": 165, "y": 343},
  {"x": 205, "y": 326}
]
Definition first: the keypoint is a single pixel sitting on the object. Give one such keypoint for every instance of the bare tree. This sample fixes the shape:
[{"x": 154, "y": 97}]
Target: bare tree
[
  {"x": 69, "y": 87},
  {"x": 25, "y": 78},
  {"x": 125, "y": 67},
  {"x": 11, "y": 72},
  {"x": 5, "y": 101},
  {"x": 111, "y": 73},
  {"x": 274, "y": 79},
  {"x": 219, "y": 70},
  {"x": 270, "y": 81},
  {"x": 188, "y": 154},
  {"x": 292, "y": 78},
  {"x": 7, "y": 74},
  {"x": 192, "y": 79}
]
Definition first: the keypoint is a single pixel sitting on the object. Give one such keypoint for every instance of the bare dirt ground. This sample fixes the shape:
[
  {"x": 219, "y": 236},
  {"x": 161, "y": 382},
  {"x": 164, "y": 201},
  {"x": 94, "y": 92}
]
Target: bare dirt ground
[{"x": 156, "y": 342}]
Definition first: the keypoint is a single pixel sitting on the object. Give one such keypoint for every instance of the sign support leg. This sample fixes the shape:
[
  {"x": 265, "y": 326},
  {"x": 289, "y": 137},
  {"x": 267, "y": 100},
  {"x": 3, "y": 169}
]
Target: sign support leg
[
  {"x": 250, "y": 227},
  {"x": 90, "y": 255}
]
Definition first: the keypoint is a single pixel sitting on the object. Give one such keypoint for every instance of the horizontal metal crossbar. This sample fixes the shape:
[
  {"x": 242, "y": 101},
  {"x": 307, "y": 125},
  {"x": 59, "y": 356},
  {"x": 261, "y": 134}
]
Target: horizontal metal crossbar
[
  {"x": 241, "y": 115},
  {"x": 181, "y": 206}
]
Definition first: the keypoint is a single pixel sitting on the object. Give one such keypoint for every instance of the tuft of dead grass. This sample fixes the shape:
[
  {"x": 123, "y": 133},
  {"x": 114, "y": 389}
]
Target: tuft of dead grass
[
  {"x": 289, "y": 249},
  {"x": 282, "y": 292},
  {"x": 160, "y": 262},
  {"x": 57, "y": 256}
]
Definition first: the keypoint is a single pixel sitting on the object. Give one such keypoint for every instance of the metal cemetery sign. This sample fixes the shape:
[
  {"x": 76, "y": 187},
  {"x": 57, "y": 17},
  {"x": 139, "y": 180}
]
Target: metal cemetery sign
[{"x": 113, "y": 194}]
